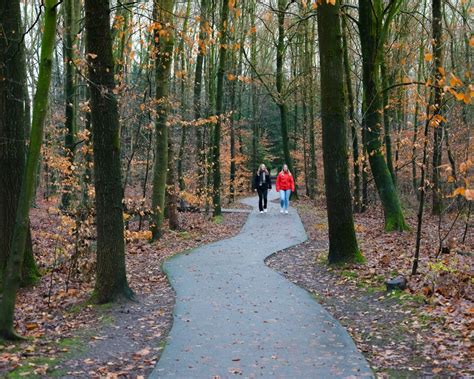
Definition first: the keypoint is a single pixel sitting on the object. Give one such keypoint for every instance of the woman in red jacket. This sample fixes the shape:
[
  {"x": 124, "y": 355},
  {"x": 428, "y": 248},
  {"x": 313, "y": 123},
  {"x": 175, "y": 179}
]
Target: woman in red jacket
[{"x": 285, "y": 185}]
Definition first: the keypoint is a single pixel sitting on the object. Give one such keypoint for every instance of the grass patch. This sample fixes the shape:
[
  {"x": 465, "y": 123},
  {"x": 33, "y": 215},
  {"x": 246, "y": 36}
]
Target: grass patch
[
  {"x": 30, "y": 365},
  {"x": 185, "y": 235},
  {"x": 37, "y": 367},
  {"x": 349, "y": 274},
  {"x": 217, "y": 219},
  {"x": 322, "y": 258},
  {"x": 403, "y": 297}
]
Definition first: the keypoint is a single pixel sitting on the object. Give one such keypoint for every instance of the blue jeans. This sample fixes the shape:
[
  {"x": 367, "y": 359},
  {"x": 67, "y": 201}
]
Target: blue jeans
[{"x": 285, "y": 198}]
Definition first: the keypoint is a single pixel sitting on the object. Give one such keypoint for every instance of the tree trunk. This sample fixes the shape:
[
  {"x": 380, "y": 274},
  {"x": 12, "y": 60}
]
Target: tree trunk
[
  {"x": 280, "y": 58},
  {"x": 342, "y": 239},
  {"x": 70, "y": 33},
  {"x": 111, "y": 279},
  {"x": 370, "y": 43},
  {"x": 387, "y": 119},
  {"x": 216, "y": 140},
  {"x": 309, "y": 42},
  {"x": 200, "y": 152},
  {"x": 163, "y": 11},
  {"x": 437, "y": 105},
  {"x": 254, "y": 94},
  {"x": 12, "y": 275},
  {"x": 352, "y": 119},
  {"x": 171, "y": 190},
  {"x": 14, "y": 124},
  {"x": 182, "y": 145}
]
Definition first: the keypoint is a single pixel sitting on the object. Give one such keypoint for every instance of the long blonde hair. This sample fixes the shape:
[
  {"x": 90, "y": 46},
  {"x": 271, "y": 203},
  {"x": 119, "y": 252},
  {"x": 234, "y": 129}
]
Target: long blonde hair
[{"x": 260, "y": 169}]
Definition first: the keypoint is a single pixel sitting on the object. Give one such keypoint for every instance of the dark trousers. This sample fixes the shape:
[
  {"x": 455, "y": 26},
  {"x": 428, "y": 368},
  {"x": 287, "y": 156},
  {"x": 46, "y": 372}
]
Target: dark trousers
[{"x": 262, "y": 195}]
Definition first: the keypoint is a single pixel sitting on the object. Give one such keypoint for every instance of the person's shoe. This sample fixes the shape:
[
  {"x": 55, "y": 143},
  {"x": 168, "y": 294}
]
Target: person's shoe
[
  {"x": 265, "y": 210},
  {"x": 286, "y": 211},
  {"x": 281, "y": 210},
  {"x": 261, "y": 212}
]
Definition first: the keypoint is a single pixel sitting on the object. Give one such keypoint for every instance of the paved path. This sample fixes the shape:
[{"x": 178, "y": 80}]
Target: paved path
[{"x": 234, "y": 316}]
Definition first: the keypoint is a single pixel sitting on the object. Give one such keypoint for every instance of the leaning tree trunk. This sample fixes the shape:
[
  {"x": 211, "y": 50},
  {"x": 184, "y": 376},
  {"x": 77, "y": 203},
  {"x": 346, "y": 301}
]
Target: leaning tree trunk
[
  {"x": 14, "y": 121},
  {"x": 164, "y": 40},
  {"x": 111, "y": 279},
  {"x": 342, "y": 239},
  {"x": 20, "y": 231},
  {"x": 372, "y": 119},
  {"x": 216, "y": 138}
]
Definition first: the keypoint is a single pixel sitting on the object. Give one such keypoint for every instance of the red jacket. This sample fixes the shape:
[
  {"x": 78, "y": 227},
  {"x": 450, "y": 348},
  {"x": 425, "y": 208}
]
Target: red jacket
[{"x": 285, "y": 182}]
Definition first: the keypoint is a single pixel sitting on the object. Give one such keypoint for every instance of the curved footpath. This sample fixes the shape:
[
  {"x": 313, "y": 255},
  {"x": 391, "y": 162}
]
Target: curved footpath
[{"x": 234, "y": 316}]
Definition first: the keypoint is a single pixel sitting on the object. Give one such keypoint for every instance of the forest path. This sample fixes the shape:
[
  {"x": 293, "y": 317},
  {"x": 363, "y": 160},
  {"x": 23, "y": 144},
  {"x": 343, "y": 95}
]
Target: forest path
[{"x": 235, "y": 316}]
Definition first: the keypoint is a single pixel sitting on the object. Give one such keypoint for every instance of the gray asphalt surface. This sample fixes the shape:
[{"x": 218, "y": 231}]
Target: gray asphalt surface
[{"x": 235, "y": 317}]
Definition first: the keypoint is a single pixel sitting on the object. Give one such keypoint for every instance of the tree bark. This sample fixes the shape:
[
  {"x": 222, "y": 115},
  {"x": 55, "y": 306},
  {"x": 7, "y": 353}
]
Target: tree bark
[
  {"x": 342, "y": 239},
  {"x": 216, "y": 138},
  {"x": 437, "y": 30},
  {"x": 164, "y": 41},
  {"x": 282, "y": 106},
  {"x": 14, "y": 124},
  {"x": 111, "y": 279},
  {"x": 70, "y": 33},
  {"x": 200, "y": 152},
  {"x": 352, "y": 119}
]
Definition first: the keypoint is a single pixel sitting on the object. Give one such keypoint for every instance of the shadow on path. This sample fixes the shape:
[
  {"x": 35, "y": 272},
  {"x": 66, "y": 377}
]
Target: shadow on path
[{"x": 235, "y": 316}]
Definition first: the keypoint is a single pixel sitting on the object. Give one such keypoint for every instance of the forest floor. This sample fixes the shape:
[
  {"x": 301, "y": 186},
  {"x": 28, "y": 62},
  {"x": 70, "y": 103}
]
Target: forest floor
[
  {"x": 426, "y": 330},
  {"x": 70, "y": 337}
]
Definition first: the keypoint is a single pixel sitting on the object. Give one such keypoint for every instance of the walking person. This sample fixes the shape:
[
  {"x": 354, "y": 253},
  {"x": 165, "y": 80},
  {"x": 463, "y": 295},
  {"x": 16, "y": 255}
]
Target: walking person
[
  {"x": 262, "y": 183},
  {"x": 285, "y": 184}
]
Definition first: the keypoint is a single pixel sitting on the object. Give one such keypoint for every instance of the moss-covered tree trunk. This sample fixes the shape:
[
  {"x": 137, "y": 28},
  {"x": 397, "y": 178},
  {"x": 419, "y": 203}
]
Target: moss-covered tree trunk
[
  {"x": 12, "y": 275},
  {"x": 342, "y": 239},
  {"x": 387, "y": 118},
  {"x": 164, "y": 42},
  {"x": 369, "y": 25},
  {"x": 216, "y": 137},
  {"x": 111, "y": 279},
  {"x": 14, "y": 124}
]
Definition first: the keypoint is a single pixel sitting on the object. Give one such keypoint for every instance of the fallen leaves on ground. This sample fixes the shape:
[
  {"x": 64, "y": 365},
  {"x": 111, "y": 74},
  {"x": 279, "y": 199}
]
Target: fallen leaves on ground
[
  {"x": 64, "y": 327},
  {"x": 424, "y": 330}
]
